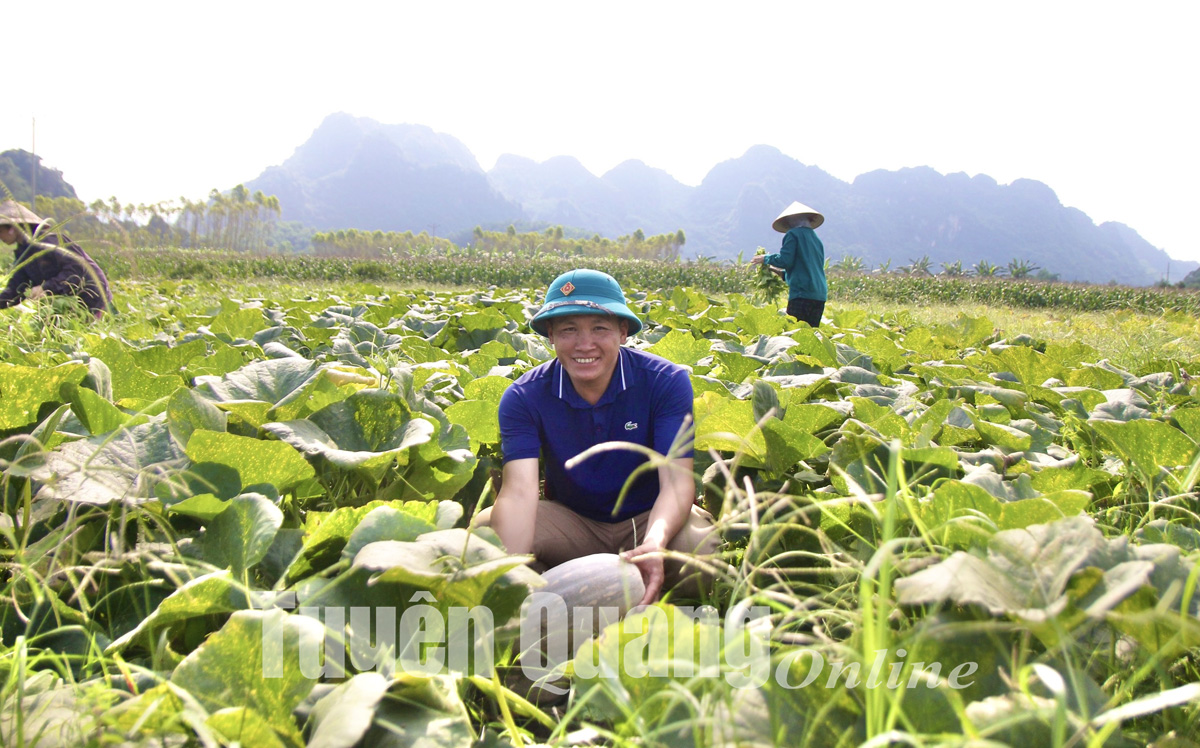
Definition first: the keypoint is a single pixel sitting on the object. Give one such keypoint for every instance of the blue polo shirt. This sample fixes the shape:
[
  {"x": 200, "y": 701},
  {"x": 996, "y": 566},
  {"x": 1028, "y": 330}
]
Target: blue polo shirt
[{"x": 647, "y": 401}]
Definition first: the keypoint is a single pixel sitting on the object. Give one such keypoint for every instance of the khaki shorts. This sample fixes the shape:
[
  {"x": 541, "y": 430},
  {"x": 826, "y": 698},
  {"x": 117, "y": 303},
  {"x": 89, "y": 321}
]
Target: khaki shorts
[{"x": 560, "y": 535}]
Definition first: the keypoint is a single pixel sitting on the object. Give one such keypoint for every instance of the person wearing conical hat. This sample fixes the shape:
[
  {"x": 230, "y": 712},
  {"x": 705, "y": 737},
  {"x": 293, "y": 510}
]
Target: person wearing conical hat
[
  {"x": 802, "y": 258},
  {"x": 48, "y": 264},
  {"x": 594, "y": 391}
]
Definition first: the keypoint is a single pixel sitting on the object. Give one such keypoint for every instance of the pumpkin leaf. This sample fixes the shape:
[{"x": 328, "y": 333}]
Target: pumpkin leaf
[
  {"x": 25, "y": 389},
  {"x": 255, "y": 460},
  {"x": 241, "y": 534},
  {"x": 254, "y": 660},
  {"x": 1147, "y": 445}
]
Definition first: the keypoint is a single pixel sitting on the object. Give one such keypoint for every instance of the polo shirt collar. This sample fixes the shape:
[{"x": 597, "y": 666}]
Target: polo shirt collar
[{"x": 621, "y": 378}]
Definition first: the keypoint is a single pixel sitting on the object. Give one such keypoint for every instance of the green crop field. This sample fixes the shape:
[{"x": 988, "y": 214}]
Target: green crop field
[{"x": 202, "y": 488}]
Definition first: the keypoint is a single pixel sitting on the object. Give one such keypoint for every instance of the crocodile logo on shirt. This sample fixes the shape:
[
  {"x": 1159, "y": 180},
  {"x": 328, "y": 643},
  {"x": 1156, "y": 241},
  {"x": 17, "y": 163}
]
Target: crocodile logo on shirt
[{"x": 630, "y": 425}]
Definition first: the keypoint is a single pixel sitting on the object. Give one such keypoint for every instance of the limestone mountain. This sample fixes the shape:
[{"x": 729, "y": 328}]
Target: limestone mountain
[
  {"x": 651, "y": 199},
  {"x": 17, "y": 174},
  {"x": 732, "y": 209},
  {"x": 559, "y": 191},
  {"x": 881, "y": 216},
  {"x": 354, "y": 172},
  {"x": 357, "y": 173}
]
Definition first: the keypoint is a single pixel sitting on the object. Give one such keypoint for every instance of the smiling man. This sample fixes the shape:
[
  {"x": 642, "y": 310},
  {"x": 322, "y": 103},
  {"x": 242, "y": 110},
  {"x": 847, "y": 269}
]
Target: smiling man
[{"x": 596, "y": 391}]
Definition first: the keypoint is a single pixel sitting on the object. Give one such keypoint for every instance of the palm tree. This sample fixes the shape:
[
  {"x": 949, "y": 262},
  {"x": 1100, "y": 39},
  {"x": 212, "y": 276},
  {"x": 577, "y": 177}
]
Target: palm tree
[
  {"x": 1021, "y": 268},
  {"x": 953, "y": 269},
  {"x": 985, "y": 269},
  {"x": 849, "y": 264},
  {"x": 919, "y": 266}
]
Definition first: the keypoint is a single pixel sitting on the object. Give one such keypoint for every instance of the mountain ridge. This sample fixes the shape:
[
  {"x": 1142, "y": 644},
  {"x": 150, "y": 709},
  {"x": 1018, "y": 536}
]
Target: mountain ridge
[{"x": 358, "y": 173}]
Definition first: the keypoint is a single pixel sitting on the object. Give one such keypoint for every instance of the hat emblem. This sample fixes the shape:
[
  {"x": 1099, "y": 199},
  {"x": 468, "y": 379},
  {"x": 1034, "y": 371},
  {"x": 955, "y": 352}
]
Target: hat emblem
[{"x": 567, "y": 288}]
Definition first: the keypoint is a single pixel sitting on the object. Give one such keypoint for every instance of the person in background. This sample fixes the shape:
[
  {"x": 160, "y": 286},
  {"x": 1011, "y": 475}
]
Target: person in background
[
  {"x": 802, "y": 258},
  {"x": 596, "y": 390},
  {"x": 48, "y": 264}
]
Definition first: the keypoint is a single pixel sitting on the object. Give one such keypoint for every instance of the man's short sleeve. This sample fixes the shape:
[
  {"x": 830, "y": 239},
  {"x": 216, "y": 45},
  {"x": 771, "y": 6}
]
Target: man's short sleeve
[
  {"x": 519, "y": 437},
  {"x": 672, "y": 407}
]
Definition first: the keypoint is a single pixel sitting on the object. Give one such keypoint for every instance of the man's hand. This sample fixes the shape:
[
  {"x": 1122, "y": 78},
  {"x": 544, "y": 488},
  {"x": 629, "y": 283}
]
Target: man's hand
[
  {"x": 670, "y": 512},
  {"x": 757, "y": 259},
  {"x": 35, "y": 293},
  {"x": 515, "y": 512},
  {"x": 649, "y": 560}
]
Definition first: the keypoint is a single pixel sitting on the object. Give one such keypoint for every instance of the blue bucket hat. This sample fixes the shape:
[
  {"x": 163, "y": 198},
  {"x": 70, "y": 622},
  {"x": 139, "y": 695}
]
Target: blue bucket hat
[{"x": 584, "y": 292}]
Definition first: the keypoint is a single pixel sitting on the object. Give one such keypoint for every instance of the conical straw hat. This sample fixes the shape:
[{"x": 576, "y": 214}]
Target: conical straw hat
[
  {"x": 796, "y": 209},
  {"x": 12, "y": 212}
]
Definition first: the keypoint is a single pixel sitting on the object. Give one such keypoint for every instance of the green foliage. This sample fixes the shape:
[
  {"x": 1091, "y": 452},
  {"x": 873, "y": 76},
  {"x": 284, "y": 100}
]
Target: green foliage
[
  {"x": 919, "y": 266},
  {"x": 1018, "y": 269},
  {"x": 439, "y": 265},
  {"x": 953, "y": 269},
  {"x": 228, "y": 667},
  {"x": 179, "y": 480},
  {"x": 849, "y": 264},
  {"x": 396, "y": 245},
  {"x": 466, "y": 269},
  {"x": 17, "y": 174},
  {"x": 768, "y": 283},
  {"x": 237, "y": 220},
  {"x": 985, "y": 269},
  {"x": 1027, "y": 294}
]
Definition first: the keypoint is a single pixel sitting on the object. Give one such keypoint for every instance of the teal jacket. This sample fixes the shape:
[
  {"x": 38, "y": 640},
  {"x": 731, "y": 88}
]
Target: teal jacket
[{"x": 802, "y": 258}]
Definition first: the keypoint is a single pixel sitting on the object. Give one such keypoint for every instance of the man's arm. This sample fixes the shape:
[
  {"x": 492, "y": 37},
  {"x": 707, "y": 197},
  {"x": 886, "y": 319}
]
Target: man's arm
[
  {"x": 677, "y": 492},
  {"x": 515, "y": 511},
  {"x": 70, "y": 270}
]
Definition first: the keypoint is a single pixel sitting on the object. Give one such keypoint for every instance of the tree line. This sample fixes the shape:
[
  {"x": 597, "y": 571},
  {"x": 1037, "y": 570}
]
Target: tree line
[
  {"x": 239, "y": 220},
  {"x": 1017, "y": 269},
  {"x": 635, "y": 246}
]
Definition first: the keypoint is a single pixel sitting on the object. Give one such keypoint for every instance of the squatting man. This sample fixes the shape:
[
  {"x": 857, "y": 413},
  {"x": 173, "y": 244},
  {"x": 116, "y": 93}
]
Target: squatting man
[
  {"x": 48, "y": 264},
  {"x": 595, "y": 391}
]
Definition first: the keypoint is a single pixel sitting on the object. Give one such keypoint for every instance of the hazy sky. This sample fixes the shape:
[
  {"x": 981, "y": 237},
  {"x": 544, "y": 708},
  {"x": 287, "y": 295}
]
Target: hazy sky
[{"x": 150, "y": 101}]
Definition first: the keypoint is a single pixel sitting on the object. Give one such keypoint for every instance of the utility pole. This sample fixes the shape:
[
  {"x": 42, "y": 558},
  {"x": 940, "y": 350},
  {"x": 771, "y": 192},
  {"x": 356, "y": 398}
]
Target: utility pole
[{"x": 33, "y": 166}]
